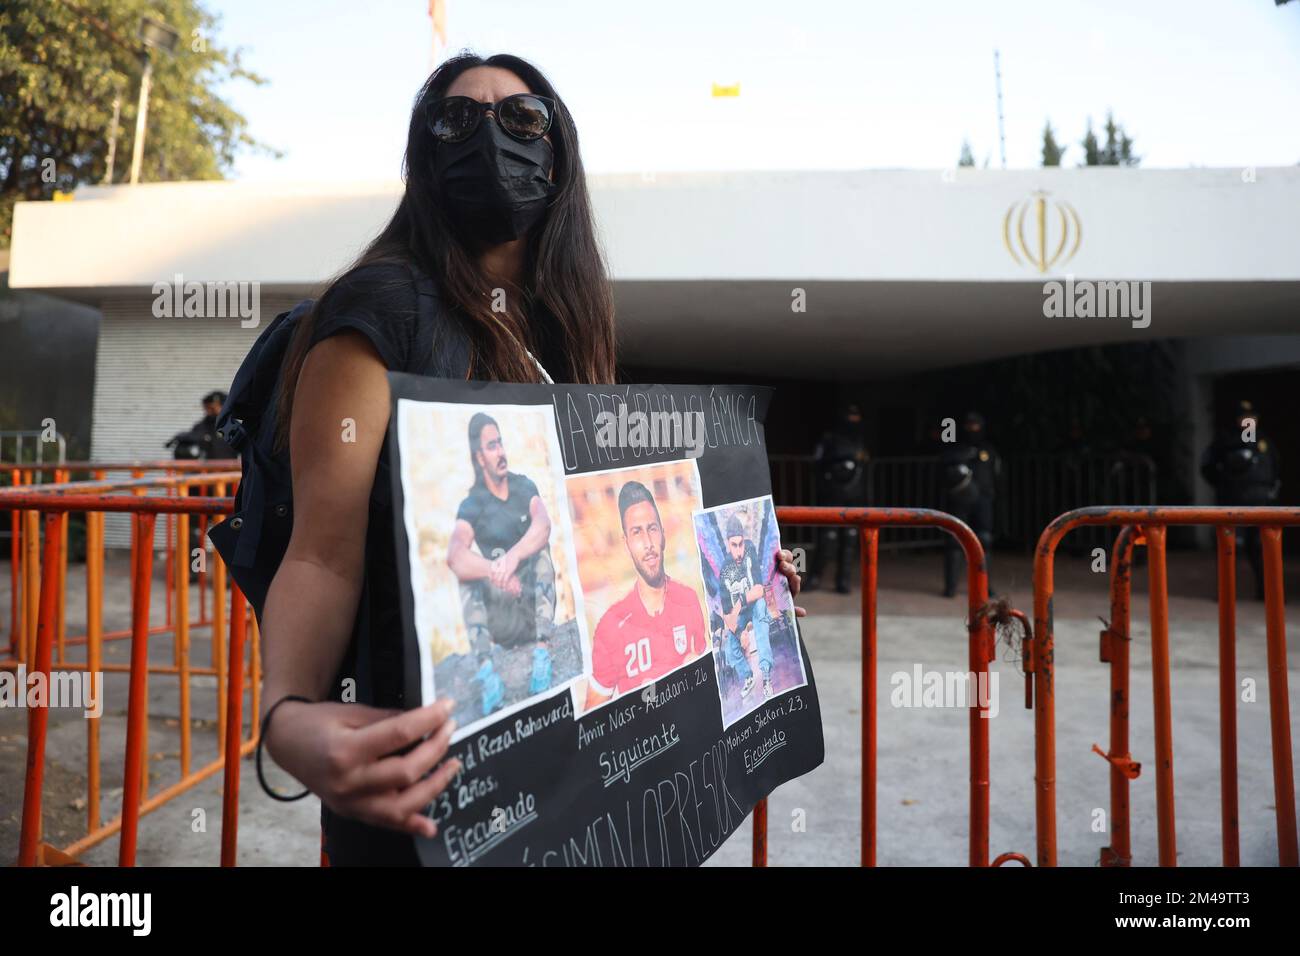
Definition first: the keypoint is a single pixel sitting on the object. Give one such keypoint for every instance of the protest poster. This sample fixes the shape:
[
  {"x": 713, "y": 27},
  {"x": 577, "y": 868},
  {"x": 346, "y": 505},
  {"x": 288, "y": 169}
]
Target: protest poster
[{"x": 590, "y": 573}]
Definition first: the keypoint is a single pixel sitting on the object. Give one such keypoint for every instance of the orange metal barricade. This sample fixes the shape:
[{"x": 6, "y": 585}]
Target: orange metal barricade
[
  {"x": 1149, "y": 526},
  {"x": 54, "y": 503},
  {"x": 178, "y": 477},
  {"x": 43, "y": 557},
  {"x": 981, "y": 648}
]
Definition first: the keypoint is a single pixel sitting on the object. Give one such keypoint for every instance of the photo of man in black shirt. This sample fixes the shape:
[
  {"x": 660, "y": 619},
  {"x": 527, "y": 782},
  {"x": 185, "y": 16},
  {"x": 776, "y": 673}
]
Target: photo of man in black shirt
[{"x": 500, "y": 554}]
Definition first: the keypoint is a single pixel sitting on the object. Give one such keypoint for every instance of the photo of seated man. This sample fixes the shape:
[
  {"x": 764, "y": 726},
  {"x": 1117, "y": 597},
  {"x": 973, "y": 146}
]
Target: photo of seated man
[
  {"x": 507, "y": 585},
  {"x": 492, "y": 557},
  {"x": 659, "y": 625}
]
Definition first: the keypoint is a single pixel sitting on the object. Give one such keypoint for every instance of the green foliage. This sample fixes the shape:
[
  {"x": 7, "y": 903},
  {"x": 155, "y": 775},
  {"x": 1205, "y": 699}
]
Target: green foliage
[
  {"x": 62, "y": 62},
  {"x": 967, "y": 158},
  {"x": 1091, "y": 153},
  {"x": 1052, "y": 151},
  {"x": 1118, "y": 150}
]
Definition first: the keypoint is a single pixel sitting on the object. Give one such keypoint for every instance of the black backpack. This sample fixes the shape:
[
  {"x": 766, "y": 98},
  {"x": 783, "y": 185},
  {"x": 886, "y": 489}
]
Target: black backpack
[{"x": 253, "y": 540}]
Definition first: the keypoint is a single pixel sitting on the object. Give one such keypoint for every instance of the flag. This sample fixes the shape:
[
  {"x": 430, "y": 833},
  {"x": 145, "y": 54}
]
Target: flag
[
  {"x": 720, "y": 90},
  {"x": 438, "y": 14}
]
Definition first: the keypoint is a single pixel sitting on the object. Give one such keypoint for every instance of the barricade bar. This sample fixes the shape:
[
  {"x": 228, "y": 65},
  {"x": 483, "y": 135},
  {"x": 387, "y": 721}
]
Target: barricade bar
[
  {"x": 1149, "y": 525},
  {"x": 44, "y": 580},
  {"x": 980, "y": 654}
]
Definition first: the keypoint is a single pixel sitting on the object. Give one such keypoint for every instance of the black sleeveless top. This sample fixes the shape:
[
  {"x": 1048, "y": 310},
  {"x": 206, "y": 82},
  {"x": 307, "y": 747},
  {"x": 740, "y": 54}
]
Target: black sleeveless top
[{"x": 380, "y": 302}]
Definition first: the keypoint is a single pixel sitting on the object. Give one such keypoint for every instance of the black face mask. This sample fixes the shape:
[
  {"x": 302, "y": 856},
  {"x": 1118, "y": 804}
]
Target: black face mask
[{"x": 495, "y": 187}]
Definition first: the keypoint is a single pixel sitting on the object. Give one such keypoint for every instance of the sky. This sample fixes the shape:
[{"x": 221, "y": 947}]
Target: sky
[{"x": 854, "y": 84}]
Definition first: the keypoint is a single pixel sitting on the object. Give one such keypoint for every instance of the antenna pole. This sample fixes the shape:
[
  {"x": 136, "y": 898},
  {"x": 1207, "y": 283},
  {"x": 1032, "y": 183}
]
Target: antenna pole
[{"x": 1002, "y": 133}]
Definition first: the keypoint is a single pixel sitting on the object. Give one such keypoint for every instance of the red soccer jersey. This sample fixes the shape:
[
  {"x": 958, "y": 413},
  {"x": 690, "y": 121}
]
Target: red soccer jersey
[{"x": 632, "y": 647}]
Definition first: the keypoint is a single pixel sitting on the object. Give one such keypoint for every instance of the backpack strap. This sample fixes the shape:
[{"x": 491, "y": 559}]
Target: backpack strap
[{"x": 248, "y": 423}]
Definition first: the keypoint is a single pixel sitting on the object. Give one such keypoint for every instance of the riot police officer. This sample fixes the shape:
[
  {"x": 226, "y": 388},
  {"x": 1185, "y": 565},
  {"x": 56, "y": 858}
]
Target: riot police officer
[
  {"x": 841, "y": 463},
  {"x": 203, "y": 440},
  {"x": 214, "y": 445},
  {"x": 970, "y": 467},
  {"x": 1242, "y": 465}
]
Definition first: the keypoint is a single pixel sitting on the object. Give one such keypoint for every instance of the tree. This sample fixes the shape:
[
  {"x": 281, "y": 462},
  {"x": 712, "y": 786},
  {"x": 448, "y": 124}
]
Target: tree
[
  {"x": 967, "y": 158},
  {"x": 1052, "y": 151},
  {"x": 62, "y": 62},
  {"x": 1118, "y": 150},
  {"x": 1091, "y": 153}
]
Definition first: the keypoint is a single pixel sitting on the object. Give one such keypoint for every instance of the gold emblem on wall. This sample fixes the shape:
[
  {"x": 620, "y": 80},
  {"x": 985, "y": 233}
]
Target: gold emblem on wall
[{"x": 1055, "y": 231}]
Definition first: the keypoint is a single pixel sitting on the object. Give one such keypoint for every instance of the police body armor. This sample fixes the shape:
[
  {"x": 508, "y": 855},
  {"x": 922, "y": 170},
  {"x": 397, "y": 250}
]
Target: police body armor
[
  {"x": 969, "y": 477},
  {"x": 841, "y": 468},
  {"x": 969, "y": 474},
  {"x": 187, "y": 446},
  {"x": 1244, "y": 473}
]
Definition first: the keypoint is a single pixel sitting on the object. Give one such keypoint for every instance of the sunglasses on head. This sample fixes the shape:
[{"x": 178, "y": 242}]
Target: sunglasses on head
[{"x": 523, "y": 116}]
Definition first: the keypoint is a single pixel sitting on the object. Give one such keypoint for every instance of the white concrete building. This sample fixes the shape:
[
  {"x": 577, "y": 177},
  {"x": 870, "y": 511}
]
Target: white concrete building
[{"x": 898, "y": 271}]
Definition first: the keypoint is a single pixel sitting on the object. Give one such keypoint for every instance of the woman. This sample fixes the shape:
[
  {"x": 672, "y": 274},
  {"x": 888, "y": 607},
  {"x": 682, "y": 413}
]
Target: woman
[{"x": 496, "y": 213}]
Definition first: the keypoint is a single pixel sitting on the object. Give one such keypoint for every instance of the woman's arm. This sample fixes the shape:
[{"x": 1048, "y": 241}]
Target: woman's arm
[
  {"x": 313, "y": 600},
  {"x": 339, "y": 750}
]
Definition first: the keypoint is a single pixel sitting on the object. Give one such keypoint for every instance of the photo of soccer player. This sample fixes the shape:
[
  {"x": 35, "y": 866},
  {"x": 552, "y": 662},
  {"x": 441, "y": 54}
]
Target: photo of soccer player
[
  {"x": 492, "y": 556},
  {"x": 751, "y": 612},
  {"x": 637, "y": 562}
]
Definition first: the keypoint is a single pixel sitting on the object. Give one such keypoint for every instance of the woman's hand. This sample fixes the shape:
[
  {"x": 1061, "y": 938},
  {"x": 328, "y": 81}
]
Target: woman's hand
[
  {"x": 345, "y": 754},
  {"x": 785, "y": 564}
]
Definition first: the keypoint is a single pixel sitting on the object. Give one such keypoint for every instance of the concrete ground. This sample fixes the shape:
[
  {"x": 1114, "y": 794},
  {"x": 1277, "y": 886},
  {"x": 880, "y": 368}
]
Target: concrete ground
[{"x": 923, "y": 756}]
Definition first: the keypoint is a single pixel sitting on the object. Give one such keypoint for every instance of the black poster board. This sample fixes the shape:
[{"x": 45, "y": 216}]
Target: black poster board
[{"x": 592, "y": 577}]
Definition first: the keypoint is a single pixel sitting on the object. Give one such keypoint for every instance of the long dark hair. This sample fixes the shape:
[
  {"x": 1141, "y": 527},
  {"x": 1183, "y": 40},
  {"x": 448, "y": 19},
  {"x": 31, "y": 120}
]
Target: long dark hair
[
  {"x": 480, "y": 421},
  {"x": 564, "y": 268}
]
